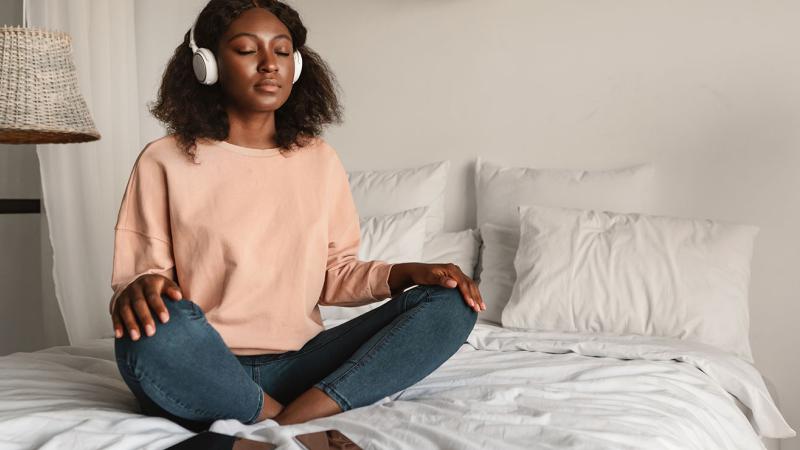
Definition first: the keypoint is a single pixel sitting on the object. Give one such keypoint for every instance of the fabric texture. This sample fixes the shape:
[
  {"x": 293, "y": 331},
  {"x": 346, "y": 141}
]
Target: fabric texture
[
  {"x": 384, "y": 192},
  {"x": 500, "y": 189},
  {"x": 185, "y": 373},
  {"x": 611, "y": 273},
  {"x": 255, "y": 237},
  {"x": 457, "y": 247},
  {"x": 503, "y": 389}
]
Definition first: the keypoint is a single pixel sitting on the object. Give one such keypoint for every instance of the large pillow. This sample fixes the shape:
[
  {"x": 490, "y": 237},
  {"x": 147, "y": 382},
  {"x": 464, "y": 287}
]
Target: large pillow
[
  {"x": 394, "y": 238},
  {"x": 457, "y": 247},
  {"x": 499, "y": 190},
  {"x": 384, "y": 192},
  {"x": 588, "y": 271}
]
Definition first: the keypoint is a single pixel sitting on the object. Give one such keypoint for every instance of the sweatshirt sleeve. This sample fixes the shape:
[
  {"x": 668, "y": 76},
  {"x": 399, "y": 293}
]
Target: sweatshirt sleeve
[
  {"x": 142, "y": 238},
  {"x": 349, "y": 281}
]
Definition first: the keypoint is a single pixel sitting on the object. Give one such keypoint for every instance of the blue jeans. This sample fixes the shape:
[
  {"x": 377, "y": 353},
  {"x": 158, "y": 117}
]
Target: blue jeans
[{"x": 186, "y": 373}]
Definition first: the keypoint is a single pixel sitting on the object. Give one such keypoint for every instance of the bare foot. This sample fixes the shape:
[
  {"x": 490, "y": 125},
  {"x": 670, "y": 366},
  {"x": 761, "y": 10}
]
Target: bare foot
[{"x": 311, "y": 404}]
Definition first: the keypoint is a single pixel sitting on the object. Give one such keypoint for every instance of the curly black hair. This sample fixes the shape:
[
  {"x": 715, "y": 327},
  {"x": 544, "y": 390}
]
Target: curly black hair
[{"x": 192, "y": 110}]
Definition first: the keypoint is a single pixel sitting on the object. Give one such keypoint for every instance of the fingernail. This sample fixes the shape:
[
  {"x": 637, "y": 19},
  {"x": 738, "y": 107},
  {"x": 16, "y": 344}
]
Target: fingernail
[
  {"x": 149, "y": 329},
  {"x": 164, "y": 317},
  {"x": 134, "y": 335},
  {"x": 117, "y": 333}
]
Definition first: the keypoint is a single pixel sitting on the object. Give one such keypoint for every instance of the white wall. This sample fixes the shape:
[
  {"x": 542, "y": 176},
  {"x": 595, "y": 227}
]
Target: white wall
[
  {"x": 708, "y": 91},
  {"x": 29, "y": 315}
]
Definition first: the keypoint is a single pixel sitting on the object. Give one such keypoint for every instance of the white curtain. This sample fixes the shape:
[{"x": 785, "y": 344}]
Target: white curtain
[{"x": 82, "y": 184}]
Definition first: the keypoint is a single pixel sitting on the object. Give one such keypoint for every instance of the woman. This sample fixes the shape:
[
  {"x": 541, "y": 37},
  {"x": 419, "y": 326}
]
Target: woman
[{"x": 235, "y": 226}]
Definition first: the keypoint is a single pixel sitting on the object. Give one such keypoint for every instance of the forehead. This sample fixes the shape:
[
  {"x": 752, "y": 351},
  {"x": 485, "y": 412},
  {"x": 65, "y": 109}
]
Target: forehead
[{"x": 259, "y": 22}]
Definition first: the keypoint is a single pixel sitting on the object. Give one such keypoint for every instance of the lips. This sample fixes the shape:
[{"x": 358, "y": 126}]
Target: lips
[{"x": 268, "y": 82}]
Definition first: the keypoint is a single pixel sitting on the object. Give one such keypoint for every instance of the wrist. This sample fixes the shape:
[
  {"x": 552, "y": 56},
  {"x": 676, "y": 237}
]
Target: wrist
[{"x": 401, "y": 276}]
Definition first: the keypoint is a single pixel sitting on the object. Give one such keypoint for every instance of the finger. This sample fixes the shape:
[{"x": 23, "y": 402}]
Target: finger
[
  {"x": 118, "y": 330},
  {"x": 126, "y": 313},
  {"x": 476, "y": 296},
  {"x": 462, "y": 286},
  {"x": 469, "y": 286},
  {"x": 173, "y": 290},
  {"x": 448, "y": 281},
  {"x": 449, "y": 277},
  {"x": 142, "y": 310},
  {"x": 156, "y": 303}
]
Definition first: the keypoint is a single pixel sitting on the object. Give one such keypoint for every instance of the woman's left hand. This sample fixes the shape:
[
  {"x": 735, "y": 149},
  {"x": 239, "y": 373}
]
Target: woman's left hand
[{"x": 449, "y": 275}]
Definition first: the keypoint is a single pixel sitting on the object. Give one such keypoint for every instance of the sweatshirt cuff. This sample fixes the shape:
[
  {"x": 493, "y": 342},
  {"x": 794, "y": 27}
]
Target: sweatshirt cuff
[{"x": 380, "y": 287}]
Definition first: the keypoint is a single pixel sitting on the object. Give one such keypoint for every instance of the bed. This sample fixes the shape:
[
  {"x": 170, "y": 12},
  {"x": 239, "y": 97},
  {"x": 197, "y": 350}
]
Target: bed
[
  {"x": 603, "y": 330},
  {"x": 502, "y": 389}
]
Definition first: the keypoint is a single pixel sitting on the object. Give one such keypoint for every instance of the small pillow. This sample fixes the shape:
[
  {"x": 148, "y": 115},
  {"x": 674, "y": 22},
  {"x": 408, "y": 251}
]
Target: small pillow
[
  {"x": 393, "y": 238},
  {"x": 499, "y": 190},
  {"x": 384, "y": 192},
  {"x": 586, "y": 271},
  {"x": 457, "y": 247}
]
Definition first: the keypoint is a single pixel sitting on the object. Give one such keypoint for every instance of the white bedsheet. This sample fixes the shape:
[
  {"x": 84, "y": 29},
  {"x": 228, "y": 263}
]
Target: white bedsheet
[{"x": 502, "y": 389}]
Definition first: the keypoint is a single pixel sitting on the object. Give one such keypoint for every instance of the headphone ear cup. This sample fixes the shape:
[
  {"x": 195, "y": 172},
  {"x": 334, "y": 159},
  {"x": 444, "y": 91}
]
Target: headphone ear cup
[
  {"x": 298, "y": 66},
  {"x": 205, "y": 66}
]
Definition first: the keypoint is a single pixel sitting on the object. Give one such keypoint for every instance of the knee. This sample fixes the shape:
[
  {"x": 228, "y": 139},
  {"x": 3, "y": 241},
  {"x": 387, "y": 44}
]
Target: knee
[
  {"x": 453, "y": 306},
  {"x": 169, "y": 338}
]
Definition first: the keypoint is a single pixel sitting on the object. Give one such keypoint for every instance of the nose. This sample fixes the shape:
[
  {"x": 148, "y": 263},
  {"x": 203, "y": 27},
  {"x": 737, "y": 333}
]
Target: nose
[{"x": 268, "y": 62}]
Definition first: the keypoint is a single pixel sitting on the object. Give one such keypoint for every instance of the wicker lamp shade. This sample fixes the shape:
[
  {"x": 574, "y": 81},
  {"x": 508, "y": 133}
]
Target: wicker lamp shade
[{"x": 40, "y": 101}]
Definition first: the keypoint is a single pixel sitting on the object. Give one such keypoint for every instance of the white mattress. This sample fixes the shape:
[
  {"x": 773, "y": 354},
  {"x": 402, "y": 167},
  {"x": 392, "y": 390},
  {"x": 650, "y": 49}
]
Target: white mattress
[{"x": 502, "y": 389}]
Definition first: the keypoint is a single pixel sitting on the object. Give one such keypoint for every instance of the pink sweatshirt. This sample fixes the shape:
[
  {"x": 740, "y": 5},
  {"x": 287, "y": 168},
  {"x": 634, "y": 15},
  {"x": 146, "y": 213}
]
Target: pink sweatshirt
[{"x": 255, "y": 238}]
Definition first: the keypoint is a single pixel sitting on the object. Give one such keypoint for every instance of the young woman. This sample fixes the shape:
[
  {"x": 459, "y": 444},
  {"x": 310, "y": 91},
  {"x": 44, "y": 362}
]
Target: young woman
[{"x": 236, "y": 225}]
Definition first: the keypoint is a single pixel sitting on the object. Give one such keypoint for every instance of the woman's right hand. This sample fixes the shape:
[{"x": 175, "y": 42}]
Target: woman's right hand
[{"x": 138, "y": 298}]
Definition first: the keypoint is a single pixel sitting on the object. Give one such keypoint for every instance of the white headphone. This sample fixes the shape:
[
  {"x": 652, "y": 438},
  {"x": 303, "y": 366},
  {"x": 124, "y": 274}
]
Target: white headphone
[{"x": 205, "y": 65}]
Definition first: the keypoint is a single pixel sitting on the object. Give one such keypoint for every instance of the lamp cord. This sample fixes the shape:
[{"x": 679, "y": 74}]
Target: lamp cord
[{"x": 25, "y": 19}]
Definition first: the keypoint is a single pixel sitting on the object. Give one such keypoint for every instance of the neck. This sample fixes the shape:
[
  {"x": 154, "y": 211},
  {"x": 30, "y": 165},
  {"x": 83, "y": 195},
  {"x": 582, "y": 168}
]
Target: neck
[{"x": 249, "y": 129}]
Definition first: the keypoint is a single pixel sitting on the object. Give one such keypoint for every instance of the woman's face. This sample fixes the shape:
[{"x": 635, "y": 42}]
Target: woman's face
[{"x": 256, "y": 48}]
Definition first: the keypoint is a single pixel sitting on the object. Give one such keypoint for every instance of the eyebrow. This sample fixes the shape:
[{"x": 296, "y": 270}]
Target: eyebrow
[{"x": 284, "y": 36}]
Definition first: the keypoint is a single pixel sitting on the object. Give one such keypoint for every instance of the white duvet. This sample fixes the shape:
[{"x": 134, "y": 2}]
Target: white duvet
[{"x": 502, "y": 389}]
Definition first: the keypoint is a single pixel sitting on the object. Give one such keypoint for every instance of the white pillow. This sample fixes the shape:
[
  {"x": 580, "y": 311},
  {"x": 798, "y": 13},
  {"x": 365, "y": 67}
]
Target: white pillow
[
  {"x": 613, "y": 273},
  {"x": 499, "y": 190},
  {"x": 384, "y": 192},
  {"x": 457, "y": 247},
  {"x": 393, "y": 238},
  {"x": 498, "y": 246}
]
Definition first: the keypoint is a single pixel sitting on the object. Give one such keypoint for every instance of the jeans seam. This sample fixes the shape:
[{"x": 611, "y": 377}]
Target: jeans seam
[
  {"x": 258, "y": 409},
  {"x": 339, "y": 398},
  {"x": 378, "y": 345}
]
